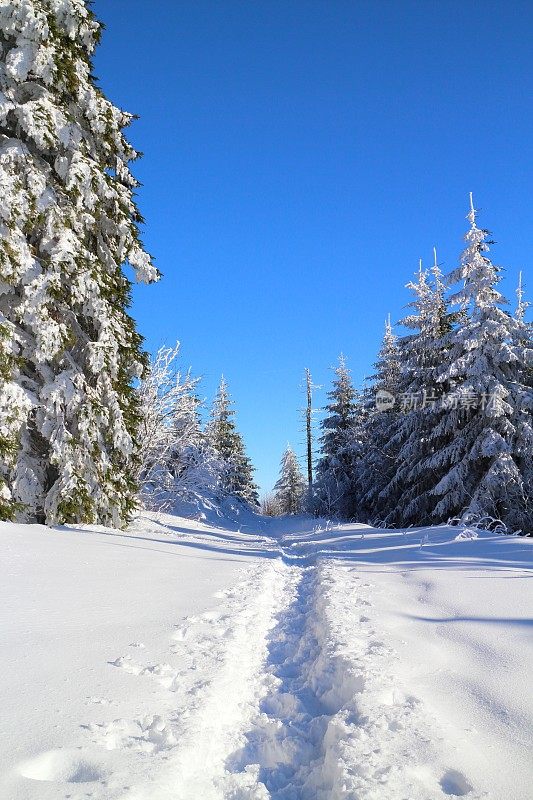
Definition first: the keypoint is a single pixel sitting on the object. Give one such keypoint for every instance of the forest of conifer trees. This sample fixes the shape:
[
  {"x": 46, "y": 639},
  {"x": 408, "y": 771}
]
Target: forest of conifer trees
[{"x": 443, "y": 429}]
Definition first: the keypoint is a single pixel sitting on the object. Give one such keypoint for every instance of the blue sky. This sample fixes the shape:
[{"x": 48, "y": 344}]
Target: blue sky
[{"x": 299, "y": 158}]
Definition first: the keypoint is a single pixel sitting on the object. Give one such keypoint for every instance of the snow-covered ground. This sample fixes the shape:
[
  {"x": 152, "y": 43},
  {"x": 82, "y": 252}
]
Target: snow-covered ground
[{"x": 266, "y": 658}]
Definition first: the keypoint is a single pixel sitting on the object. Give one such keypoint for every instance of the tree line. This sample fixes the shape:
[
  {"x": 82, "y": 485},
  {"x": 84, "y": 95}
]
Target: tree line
[{"x": 443, "y": 429}]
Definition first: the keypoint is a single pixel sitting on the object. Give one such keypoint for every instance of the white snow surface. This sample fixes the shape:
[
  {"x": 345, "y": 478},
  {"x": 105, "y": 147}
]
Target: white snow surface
[{"x": 261, "y": 658}]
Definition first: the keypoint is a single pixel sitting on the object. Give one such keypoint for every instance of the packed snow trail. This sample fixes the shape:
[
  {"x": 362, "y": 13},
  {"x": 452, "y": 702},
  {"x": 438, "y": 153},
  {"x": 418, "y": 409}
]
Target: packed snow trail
[
  {"x": 331, "y": 726},
  {"x": 312, "y": 661}
]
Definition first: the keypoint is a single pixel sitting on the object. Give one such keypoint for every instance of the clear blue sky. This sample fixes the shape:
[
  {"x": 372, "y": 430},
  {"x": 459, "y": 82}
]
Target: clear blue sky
[{"x": 299, "y": 158}]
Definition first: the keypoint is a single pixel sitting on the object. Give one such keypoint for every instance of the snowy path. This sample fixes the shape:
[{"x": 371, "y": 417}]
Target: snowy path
[{"x": 327, "y": 663}]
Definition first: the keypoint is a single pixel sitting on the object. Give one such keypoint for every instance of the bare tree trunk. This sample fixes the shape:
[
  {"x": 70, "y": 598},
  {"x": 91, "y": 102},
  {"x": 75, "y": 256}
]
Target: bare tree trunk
[{"x": 308, "y": 427}]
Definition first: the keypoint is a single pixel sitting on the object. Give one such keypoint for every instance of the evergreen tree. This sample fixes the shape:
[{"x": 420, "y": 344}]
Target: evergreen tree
[
  {"x": 335, "y": 488},
  {"x": 14, "y": 408},
  {"x": 377, "y": 466},
  {"x": 291, "y": 486},
  {"x": 227, "y": 442},
  {"x": 405, "y": 427},
  {"x": 68, "y": 221},
  {"x": 408, "y": 498},
  {"x": 488, "y": 408}
]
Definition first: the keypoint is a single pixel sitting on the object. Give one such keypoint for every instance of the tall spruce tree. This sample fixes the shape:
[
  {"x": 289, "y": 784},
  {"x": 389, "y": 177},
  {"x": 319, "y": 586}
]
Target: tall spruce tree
[
  {"x": 408, "y": 498},
  {"x": 335, "y": 484},
  {"x": 488, "y": 407},
  {"x": 377, "y": 466},
  {"x": 406, "y": 426},
  {"x": 68, "y": 222},
  {"x": 224, "y": 438},
  {"x": 291, "y": 487}
]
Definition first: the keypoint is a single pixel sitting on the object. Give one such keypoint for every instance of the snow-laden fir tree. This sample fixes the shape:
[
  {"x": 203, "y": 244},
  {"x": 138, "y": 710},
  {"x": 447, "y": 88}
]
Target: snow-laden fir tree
[
  {"x": 335, "y": 491},
  {"x": 376, "y": 467},
  {"x": 291, "y": 486},
  {"x": 68, "y": 222},
  {"x": 487, "y": 424},
  {"x": 223, "y": 436},
  {"x": 407, "y": 498}
]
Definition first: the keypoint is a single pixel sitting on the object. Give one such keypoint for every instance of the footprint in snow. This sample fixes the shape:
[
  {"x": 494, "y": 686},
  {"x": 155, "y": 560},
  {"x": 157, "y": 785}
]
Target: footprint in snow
[
  {"x": 98, "y": 701},
  {"x": 224, "y": 593},
  {"x": 63, "y": 766},
  {"x": 455, "y": 784},
  {"x": 125, "y": 663},
  {"x": 150, "y": 734},
  {"x": 212, "y": 616},
  {"x": 377, "y": 646},
  {"x": 181, "y": 633}
]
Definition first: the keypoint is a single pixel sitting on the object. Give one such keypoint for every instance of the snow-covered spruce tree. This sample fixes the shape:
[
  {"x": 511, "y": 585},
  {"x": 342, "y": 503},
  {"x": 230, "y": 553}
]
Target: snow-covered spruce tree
[
  {"x": 488, "y": 407},
  {"x": 408, "y": 498},
  {"x": 376, "y": 467},
  {"x": 291, "y": 487},
  {"x": 523, "y": 444},
  {"x": 223, "y": 436},
  {"x": 14, "y": 406},
  {"x": 68, "y": 222},
  {"x": 334, "y": 487}
]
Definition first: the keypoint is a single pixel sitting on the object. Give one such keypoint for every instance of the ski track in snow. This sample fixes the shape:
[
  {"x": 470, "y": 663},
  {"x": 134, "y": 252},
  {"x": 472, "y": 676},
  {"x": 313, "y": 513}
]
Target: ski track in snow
[{"x": 292, "y": 690}]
